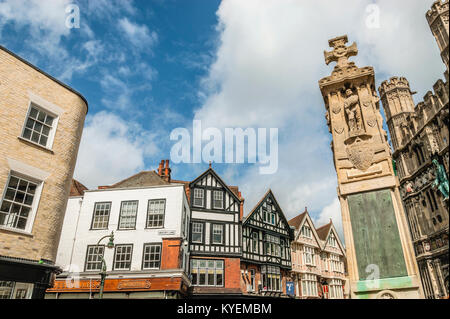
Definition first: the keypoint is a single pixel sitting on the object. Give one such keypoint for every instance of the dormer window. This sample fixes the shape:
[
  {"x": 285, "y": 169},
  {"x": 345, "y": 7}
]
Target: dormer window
[
  {"x": 332, "y": 241},
  {"x": 306, "y": 231},
  {"x": 199, "y": 197}
]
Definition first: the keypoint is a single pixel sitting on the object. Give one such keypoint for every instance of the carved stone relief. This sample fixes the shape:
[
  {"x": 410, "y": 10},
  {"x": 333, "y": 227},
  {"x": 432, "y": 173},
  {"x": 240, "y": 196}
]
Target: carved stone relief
[{"x": 360, "y": 151}]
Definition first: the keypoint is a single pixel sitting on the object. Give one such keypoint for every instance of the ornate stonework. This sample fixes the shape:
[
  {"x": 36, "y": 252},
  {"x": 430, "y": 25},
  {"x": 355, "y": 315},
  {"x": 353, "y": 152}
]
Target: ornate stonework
[
  {"x": 420, "y": 136},
  {"x": 367, "y": 187}
]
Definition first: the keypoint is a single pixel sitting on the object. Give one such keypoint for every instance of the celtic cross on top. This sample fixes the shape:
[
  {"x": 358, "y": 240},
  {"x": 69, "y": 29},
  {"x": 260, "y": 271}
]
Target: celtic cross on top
[{"x": 341, "y": 53}]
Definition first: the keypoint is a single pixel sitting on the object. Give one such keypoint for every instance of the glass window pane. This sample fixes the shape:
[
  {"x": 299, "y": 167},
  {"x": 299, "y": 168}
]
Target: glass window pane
[
  {"x": 33, "y": 113},
  {"x": 41, "y": 116},
  {"x": 49, "y": 120}
]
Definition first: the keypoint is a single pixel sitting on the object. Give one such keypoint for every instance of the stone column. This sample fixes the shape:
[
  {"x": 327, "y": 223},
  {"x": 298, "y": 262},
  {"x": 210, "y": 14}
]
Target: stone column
[
  {"x": 433, "y": 277},
  {"x": 380, "y": 254}
]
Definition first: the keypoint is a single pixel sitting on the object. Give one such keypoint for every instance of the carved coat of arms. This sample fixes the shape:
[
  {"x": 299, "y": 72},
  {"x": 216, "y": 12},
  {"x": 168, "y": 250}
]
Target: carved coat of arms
[{"x": 360, "y": 152}]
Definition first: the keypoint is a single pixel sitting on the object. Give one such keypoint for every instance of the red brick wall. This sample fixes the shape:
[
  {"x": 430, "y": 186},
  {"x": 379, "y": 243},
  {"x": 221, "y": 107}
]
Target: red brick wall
[{"x": 232, "y": 271}]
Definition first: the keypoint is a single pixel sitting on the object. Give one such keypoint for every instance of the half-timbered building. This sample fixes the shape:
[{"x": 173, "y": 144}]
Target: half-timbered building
[
  {"x": 318, "y": 260},
  {"x": 266, "y": 256},
  {"x": 215, "y": 237}
]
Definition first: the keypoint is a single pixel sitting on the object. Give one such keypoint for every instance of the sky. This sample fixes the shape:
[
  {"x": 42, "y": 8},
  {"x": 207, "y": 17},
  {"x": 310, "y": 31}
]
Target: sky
[{"x": 148, "y": 67}]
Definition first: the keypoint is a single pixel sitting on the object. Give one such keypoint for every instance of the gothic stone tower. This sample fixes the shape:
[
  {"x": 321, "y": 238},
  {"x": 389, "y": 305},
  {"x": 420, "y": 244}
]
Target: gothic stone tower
[
  {"x": 437, "y": 18},
  {"x": 381, "y": 261}
]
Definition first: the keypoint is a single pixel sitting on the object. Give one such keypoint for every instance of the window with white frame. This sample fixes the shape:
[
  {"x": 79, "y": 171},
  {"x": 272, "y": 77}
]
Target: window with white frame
[
  {"x": 271, "y": 278},
  {"x": 309, "y": 285},
  {"x": 206, "y": 272},
  {"x": 94, "y": 257},
  {"x": 306, "y": 231},
  {"x": 217, "y": 233},
  {"x": 336, "y": 264},
  {"x": 100, "y": 219},
  {"x": 218, "y": 199},
  {"x": 122, "y": 257},
  {"x": 308, "y": 256},
  {"x": 252, "y": 280},
  {"x": 268, "y": 215},
  {"x": 254, "y": 243},
  {"x": 336, "y": 289},
  {"x": 17, "y": 202},
  {"x": 332, "y": 240},
  {"x": 199, "y": 197},
  {"x": 152, "y": 256},
  {"x": 155, "y": 213},
  {"x": 39, "y": 126},
  {"x": 128, "y": 212},
  {"x": 197, "y": 232},
  {"x": 324, "y": 261},
  {"x": 272, "y": 245}
]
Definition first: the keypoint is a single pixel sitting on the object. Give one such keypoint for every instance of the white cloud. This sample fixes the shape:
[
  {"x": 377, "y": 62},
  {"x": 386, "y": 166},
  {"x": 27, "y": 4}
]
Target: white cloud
[
  {"x": 112, "y": 149},
  {"x": 139, "y": 35},
  {"x": 45, "y": 21},
  {"x": 267, "y": 64},
  {"x": 333, "y": 212}
]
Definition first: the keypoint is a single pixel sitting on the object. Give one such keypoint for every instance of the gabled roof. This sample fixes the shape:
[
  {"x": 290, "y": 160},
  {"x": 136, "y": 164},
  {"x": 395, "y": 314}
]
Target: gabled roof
[
  {"x": 144, "y": 178},
  {"x": 270, "y": 194},
  {"x": 323, "y": 231},
  {"x": 298, "y": 220},
  {"x": 77, "y": 189},
  {"x": 234, "y": 190}
]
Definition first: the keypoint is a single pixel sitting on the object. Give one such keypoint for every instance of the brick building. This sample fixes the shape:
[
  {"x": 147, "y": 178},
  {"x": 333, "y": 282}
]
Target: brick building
[{"x": 41, "y": 122}]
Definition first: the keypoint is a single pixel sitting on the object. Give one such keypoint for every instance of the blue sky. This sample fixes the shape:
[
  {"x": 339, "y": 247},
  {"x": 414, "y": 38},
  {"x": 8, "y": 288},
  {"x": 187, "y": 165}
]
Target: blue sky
[{"x": 148, "y": 67}]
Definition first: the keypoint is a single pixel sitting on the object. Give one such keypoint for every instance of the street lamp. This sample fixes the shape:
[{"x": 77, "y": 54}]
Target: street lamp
[{"x": 109, "y": 245}]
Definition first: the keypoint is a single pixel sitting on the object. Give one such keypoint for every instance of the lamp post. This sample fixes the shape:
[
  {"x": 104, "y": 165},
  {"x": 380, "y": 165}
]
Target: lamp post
[{"x": 110, "y": 245}]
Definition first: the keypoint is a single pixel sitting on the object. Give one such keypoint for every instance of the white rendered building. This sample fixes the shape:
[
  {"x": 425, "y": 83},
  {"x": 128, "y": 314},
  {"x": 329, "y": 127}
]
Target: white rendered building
[{"x": 150, "y": 220}]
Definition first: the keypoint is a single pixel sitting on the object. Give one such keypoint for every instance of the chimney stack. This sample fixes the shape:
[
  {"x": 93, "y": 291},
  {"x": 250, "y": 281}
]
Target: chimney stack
[
  {"x": 166, "y": 173},
  {"x": 160, "y": 168}
]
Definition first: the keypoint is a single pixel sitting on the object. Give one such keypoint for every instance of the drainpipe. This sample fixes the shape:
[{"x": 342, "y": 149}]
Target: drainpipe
[{"x": 76, "y": 230}]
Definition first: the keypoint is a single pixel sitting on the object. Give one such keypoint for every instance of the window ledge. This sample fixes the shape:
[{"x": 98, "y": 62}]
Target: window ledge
[
  {"x": 35, "y": 144},
  {"x": 16, "y": 231}
]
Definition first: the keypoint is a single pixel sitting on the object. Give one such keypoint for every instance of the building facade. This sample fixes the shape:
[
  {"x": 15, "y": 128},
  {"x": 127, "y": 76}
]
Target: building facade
[
  {"x": 318, "y": 260},
  {"x": 215, "y": 236},
  {"x": 266, "y": 250},
  {"x": 41, "y": 123},
  {"x": 420, "y": 139},
  {"x": 150, "y": 219}
]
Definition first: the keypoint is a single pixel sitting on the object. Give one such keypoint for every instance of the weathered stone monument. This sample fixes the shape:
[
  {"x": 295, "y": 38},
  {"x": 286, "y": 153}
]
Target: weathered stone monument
[{"x": 380, "y": 254}]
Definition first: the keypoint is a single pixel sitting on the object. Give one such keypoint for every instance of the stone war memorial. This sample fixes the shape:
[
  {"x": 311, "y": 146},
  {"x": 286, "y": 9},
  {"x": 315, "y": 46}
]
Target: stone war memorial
[{"x": 381, "y": 262}]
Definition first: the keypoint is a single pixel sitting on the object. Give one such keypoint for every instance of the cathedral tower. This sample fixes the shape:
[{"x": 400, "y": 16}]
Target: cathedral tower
[
  {"x": 398, "y": 103},
  {"x": 437, "y": 18},
  {"x": 381, "y": 261}
]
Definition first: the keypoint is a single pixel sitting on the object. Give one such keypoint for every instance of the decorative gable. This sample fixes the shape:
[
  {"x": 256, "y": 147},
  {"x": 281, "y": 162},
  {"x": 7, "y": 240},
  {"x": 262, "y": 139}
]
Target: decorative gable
[
  {"x": 208, "y": 191},
  {"x": 268, "y": 214}
]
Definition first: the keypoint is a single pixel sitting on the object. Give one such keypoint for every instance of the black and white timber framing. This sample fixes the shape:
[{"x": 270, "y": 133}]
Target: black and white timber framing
[
  {"x": 264, "y": 229},
  {"x": 214, "y": 206}
]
